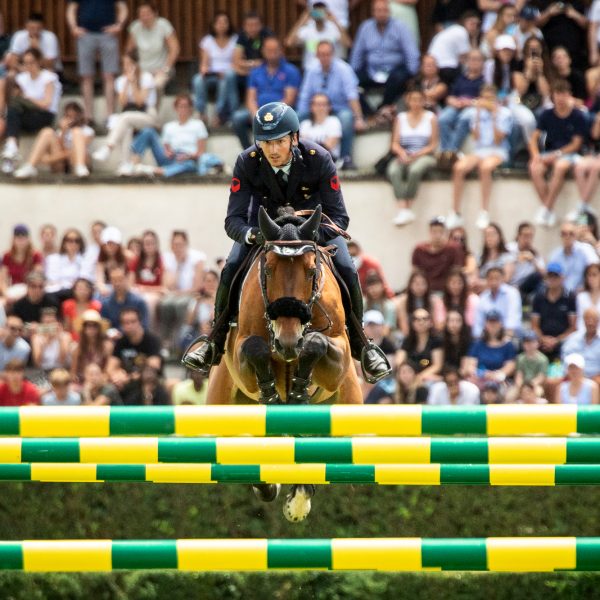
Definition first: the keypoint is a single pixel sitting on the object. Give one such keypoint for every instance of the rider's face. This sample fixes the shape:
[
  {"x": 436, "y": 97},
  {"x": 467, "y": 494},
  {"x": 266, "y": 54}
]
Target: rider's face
[{"x": 278, "y": 152}]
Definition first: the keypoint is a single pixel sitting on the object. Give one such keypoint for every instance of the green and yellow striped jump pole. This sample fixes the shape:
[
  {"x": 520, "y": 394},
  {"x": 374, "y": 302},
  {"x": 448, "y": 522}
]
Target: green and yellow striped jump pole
[
  {"x": 318, "y": 473},
  {"x": 541, "y": 554},
  {"x": 290, "y": 450},
  {"x": 337, "y": 420}
]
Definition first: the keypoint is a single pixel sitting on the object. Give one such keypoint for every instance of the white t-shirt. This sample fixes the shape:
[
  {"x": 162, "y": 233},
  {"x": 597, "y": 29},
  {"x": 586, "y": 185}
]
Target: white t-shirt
[
  {"x": 184, "y": 271},
  {"x": 35, "y": 89},
  {"x": 61, "y": 272},
  {"x": 220, "y": 59},
  {"x": 151, "y": 43},
  {"x": 448, "y": 46},
  {"x": 184, "y": 137},
  {"x": 339, "y": 9},
  {"x": 48, "y": 45},
  {"x": 310, "y": 36},
  {"x": 468, "y": 393},
  {"x": 594, "y": 17},
  {"x": 146, "y": 83},
  {"x": 319, "y": 132},
  {"x": 584, "y": 301}
]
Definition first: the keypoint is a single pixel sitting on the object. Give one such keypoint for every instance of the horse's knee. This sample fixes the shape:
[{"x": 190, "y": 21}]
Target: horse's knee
[
  {"x": 315, "y": 345},
  {"x": 256, "y": 348}
]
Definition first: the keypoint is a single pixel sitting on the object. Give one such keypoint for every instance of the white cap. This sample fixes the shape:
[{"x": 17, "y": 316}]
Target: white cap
[
  {"x": 576, "y": 360},
  {"x": 373, "y": 316},
  {"x": 111, "y": 234},
  {"x": 505, "y": 41}
]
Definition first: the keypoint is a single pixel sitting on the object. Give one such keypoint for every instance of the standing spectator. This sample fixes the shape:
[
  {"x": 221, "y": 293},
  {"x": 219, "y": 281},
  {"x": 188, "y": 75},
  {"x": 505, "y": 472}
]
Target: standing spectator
[
  {"x": 415, "y": 137},
  {"x": 15, "y": 390},
  {"x": 458, "y": 297},
  {"x": 586, "y": 343},
  {"x": 122, "y": 298},
  {"x": 457, "y": 339},
  {"x": 417, "y": 295},
  {"x": 96, "y": 25},
  {"x": 573, "y": 257},
  {"x": 384, "y": 54},
  {"x": 450, "y": 46},
  {"x": 532, "y": 365},
  {"x": 275, "y": 80},
  {"x": 29, "y": 308},
  {"x": 529, "y": 265},
  {"x": 12, "y": 344},
  {"x": 578, "y": 389},
  {"x": 50, "y": 343},
  {"x": 562, "y": 68},
  {"x": 147, "y": 390},
  {"x": 20, "y": 260},
  {"x": 96, "y": 391},
  {"x": 321, "y": 126},
  {"x": 589, "y": 297},
  {"x": 553, "y": 312},
  {"x": 65, "y": 267},
  {"x": 366, "y": 264},
  {"x": 92, "y": 249},
  {"x": 429, "y": 81},
  {"x": 314, "y": 26},
  {"x": 336, "y": 79},
  {"x": 191, "y": 390},
  {"x": 375, "y": 330},
  {"x": 453, "y": 391},
  {"x": 564, "y": 129},
  {"x": 61, "y": 394},
  {"x": 94, "y": 347},
  {"x": 137, "y": 98},
  {"x": 74, "y": 308},
  {"x": 495, "y": 254},
  {"x": 215, "y": 61},
  {"x": 112, "y": 254},
  {"x": 156, "y": 42},
  {"x": 501, "y": 298},
  {"x": 438, "y": 256},
  {"x": 33, "y": 108},
  {"x": 490, "y": 125}
]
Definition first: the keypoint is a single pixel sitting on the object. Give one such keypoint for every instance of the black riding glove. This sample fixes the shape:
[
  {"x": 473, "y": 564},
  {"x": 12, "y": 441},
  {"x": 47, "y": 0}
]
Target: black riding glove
[{"x": 256, "y": 236}]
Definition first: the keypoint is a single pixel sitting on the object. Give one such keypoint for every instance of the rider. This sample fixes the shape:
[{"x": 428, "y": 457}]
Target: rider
[{"x": 279, "y": 170}]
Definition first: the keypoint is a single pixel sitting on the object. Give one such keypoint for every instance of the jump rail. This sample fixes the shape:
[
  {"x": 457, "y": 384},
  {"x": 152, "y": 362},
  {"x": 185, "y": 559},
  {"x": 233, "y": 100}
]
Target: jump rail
[
  {"x": 540, "y": 554},
  {"x": 337, "y": 420}
]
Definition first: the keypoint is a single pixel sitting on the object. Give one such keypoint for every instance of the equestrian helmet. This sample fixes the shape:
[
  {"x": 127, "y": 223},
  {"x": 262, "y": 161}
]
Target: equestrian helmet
[{"x": 273, "y": 121}]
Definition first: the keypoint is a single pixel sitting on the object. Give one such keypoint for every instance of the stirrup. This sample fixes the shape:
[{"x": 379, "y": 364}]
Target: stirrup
[
  {"x": 203, "y": 358},
  {"x": 369, "y": 378}
]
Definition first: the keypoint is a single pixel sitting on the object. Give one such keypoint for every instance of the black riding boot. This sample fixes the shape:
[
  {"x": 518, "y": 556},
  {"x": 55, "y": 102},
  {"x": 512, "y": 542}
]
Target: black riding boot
[
  {"x": 209, "y": 353},
  {"x": 373, "y": 361}
]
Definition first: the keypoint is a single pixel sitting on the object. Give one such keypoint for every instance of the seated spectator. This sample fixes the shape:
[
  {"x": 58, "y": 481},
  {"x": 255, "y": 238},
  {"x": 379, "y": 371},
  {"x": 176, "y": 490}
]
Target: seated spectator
[
  {"x": 156, "y": 41},
  {"x": 403, "y": 388},
  {"x": 376, "y": 299},
  {"x": 492, "y": 357},
  {"x": 74, "y": 308},
  {"x": 437, "y": 257},
  {"x": 532, "y": 80},
  {"x": 578, "y": 389},
  {"x": 429, "y": 81},
  {"x": 32, "y": 107},
  {"x": 50, "y": 343},
  {"x": 384, "y": 54},
  {"x": 200, "y": 312},
  {"x": 454, "y": 119},
  {"x": 191, "y": 390},
  {"x": 216, "y": 51},
  {"x": 495, "y": 254},
  {"x": 450, "y": 46},
  {"x": 532, "y": 365},
  {"x": 122, "y": 298},
  {"x": 29, "y": 308},
  {"x": 48, "y": 235},
  {"x": 366, "y": 264},
  {"x": 457, "y": 339},
  {"x": 322, "y": 127},
  {"x": 316, "y": 25},
  {"x": 93, "y": 347},
  {"x": 17, "y": 263},
  {"x": 502, "y": 298},
  {"x": 490, "y": 125},
  {"x": 417, "y": 295},
  {"x": 503, "y": 26},
  {"x": 526, "y": 28},
  {"x": 15, "y": 390},
  {"x": 452, "y": 391},
  {"x": 458, "y": 235},
  {"x": 335, "y": 78},
  {"x": 492, "y": 392},
  {"x": 96, "y": 29},
  {"x": 586, "y": 343},
  {"x": 587, "y": 172},
  {"x": 562, "y": 69},
  {"x": 528, "y": 395},
  {"x": 66, "y": 266},
  {"x": 96, "y": 391},
  {"x": 134, "y": 350},
  {"x": 589, "y": 297},
  {"x": 375, "y": 329},
  {"x": 275, "y": 80},
  {"x": 112, "y": 254},
  {"x": 136, "y": 95},
  {"x": 573, "y": 257},
  {"x": 553, "y": 312},
  {"x": 92, "y": 249},
  {"x": 422, "y": 348},
  {"x": 458, "y": 297},
  {"x": 415, "y": 138},
  {"x": 65, "y": 149},
  {"x": 60, "y": 394},
  {"x": 528, "y": 272},
  {"x": 564, "y": 24},
  {"x": 12, "y": 344},
  {"x": 564, "y": 129},
  {"x": 147, "y": 390}
]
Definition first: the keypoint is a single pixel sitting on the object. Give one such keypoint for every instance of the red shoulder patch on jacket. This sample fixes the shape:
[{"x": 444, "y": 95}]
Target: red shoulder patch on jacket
[
  {"x": 334, "y": 182},
  {"x": 235, "y": 185}
]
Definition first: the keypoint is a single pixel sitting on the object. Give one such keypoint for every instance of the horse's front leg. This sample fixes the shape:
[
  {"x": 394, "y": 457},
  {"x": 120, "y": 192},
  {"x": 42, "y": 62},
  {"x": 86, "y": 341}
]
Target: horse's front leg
[
  {"x": 314, "y": 348},
  {"x": 255, "y": 356}
]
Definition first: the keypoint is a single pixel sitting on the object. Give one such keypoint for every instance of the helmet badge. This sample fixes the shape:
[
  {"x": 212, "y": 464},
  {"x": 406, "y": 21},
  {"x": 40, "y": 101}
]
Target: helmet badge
[{"x": 268, "y": 117}]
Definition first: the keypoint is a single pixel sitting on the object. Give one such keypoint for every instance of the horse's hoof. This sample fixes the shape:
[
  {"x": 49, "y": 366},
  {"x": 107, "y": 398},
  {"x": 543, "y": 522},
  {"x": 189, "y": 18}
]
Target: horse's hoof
[
  {"x": 297, "y": 503},
  {"x": 266, "y": 492}
]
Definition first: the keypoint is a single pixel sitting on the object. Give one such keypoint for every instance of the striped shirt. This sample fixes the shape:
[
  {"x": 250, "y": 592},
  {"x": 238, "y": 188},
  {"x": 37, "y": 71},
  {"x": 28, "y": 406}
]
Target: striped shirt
[{"x": 413, "y": 139}]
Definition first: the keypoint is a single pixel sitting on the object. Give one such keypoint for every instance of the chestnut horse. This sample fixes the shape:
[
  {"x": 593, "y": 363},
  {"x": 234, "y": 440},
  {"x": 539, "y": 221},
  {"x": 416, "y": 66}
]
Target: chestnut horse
[{"x": 289, "y": 345}]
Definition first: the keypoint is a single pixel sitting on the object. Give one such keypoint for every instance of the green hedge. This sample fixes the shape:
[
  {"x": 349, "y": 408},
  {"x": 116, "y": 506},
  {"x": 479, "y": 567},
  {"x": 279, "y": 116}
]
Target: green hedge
[{"x": 134, "y": 511}]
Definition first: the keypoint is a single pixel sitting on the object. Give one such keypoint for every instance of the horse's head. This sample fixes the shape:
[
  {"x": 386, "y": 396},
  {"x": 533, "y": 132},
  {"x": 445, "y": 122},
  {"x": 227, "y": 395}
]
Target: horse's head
[{"x": 289, "y": 278}]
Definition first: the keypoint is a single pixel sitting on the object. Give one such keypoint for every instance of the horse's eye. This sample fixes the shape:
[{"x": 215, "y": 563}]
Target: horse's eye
[
  {"x": 268, "y": 272},
  {"x": 310, "y": 273}
]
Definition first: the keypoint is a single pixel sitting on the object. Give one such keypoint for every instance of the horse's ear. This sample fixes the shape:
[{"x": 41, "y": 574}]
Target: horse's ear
[
  {"x": 268, "y": 227},
  {"x": 310, "y": 228}
]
